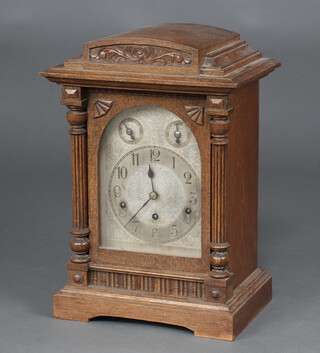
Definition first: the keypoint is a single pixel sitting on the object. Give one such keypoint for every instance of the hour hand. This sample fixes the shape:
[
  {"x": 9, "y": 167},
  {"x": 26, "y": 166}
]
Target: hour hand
[{"x": 151, "y": 176}]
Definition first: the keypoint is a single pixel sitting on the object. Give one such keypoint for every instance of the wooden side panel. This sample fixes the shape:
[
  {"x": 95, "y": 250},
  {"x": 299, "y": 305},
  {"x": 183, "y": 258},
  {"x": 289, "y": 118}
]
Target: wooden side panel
[{"x": 243, "y": 157}]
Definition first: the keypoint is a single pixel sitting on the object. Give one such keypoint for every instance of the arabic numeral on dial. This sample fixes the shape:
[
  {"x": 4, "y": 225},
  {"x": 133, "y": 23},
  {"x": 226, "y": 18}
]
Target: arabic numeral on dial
[
  {"x": 117, "y": 191},
  {"x": 193, "y": 199},
  {"x": 122, "y": 213},
  {"x": 174, "y": 231},
  {"x": 155, "y": 233},
  {"x": 187, "y": 177},
  {"x": 122, "y": 173},
  {"x": 154, "y": 155},
  {"x": 135, "y": 159}
]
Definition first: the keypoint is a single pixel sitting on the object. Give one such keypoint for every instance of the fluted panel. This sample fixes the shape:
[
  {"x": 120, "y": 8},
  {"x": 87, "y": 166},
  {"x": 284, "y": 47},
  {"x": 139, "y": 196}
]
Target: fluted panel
[
  {"x": 144, "y": 283},
  {"x": 79, "y": 183},
  {"x": 219, "y": 193}
]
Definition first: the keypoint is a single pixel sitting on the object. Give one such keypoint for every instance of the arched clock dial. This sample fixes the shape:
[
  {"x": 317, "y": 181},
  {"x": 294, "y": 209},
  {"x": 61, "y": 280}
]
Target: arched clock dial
[
  {"x": 150, "y": 184},
  {"x": 153, "y": 193}
]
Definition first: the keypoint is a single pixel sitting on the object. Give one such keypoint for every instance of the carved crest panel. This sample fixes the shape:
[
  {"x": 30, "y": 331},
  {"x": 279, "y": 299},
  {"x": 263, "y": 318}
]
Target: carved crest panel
[{"x": 138, "y": 54}]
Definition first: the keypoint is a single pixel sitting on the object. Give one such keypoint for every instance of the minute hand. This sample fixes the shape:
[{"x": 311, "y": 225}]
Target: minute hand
[{"x": 137, "y": 212}]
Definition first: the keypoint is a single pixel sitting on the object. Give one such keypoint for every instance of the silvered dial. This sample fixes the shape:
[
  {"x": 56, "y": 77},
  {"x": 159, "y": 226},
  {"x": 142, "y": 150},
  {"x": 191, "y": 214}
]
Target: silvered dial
[
  {"x": 149, "y": 182},
  {"x": 177, "y": 133},
  {"x": 154, "y": 193},
  {"x": 130, "y": 130}
]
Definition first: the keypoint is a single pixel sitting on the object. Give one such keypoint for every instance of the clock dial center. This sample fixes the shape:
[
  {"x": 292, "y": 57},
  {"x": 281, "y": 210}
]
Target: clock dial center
[
  {"x": 168, "y": 199},
  {"x": 153, "y": 195}
]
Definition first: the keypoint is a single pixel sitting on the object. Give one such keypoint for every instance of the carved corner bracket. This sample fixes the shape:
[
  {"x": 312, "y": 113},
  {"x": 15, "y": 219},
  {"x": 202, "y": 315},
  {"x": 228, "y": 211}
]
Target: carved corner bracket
[
  {"x": 195, "y": 113},
  {"x": 102, "y": 108},
  {"x": 218, "y": 110},
  {"x": 74, "y": 96}
]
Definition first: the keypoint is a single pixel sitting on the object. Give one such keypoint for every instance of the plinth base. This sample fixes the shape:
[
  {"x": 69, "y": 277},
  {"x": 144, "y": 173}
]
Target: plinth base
[{"x": 220, "y": 321}]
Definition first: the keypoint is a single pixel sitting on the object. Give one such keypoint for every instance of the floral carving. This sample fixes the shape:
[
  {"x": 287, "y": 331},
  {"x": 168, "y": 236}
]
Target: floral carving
[{"x": 140, "y": 55}]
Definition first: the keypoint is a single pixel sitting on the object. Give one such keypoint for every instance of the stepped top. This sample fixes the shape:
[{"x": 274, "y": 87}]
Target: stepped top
[{"x": 167, "y": 55}]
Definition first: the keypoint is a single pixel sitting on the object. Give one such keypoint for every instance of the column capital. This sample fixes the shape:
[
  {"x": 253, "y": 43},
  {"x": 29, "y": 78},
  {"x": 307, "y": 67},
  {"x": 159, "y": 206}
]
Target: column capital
[{"x": 74, "y": 97}]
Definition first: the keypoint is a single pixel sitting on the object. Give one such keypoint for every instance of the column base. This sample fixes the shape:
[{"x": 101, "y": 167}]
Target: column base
[{"x": 219, "y": 321}]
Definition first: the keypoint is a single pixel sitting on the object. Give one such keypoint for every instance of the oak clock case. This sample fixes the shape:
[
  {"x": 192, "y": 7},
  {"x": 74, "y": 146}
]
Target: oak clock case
[{"x": 164, "y": 155}]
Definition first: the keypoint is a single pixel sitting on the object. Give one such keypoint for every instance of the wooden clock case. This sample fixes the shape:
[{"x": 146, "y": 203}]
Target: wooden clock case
[{"x": 208, "y": 77}]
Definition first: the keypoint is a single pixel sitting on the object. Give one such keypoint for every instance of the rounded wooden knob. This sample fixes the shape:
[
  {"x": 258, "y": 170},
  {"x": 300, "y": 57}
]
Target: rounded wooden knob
[
  {"x": 77, "y": 118},
  {"x": 220, "y": 127},
  {"x": 80, "y": 245},
  {"x": 220, "y": 259},
  {"x": 215, "y": 293},
  {"x": 78, "y": 278}
]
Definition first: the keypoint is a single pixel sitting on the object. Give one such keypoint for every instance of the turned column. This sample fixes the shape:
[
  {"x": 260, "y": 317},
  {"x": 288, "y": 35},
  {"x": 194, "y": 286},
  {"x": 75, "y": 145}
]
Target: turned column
[
  {"x": 77, "y": 118},
  {"x": 75, "y": 98},
  {"x": 219, "y": 170},
  {"x": 221, "y": 282}
]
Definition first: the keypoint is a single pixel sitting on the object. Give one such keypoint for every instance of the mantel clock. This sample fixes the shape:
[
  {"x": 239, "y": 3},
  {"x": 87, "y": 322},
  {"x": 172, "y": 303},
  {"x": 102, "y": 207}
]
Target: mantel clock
[{"x": 164, "y": 150}]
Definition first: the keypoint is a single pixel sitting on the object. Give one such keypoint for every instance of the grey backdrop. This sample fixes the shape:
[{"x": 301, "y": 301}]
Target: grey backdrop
[{"x": 35, "y": 183}]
